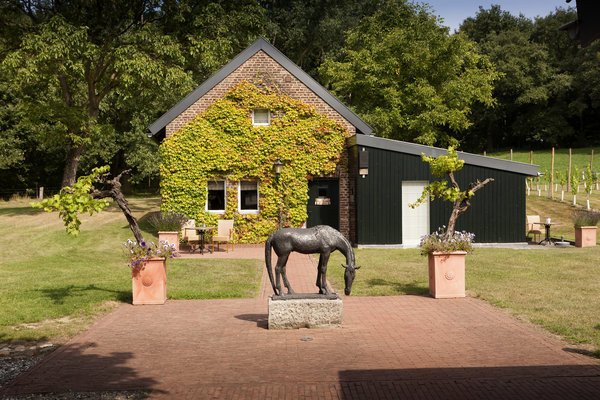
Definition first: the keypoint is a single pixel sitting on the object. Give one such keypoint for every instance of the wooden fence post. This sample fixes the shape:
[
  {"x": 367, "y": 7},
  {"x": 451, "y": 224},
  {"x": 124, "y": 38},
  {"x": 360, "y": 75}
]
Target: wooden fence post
[
  {"x": 552, "y": 176},
  {"x": 531, "y": 157},
  {"x": 511, "y": 155},
  {"x": 569, "y": 173}
]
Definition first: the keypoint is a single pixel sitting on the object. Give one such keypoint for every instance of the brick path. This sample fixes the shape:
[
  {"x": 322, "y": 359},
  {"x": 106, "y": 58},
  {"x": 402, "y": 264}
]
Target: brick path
[{"x": 389, "y": 348}]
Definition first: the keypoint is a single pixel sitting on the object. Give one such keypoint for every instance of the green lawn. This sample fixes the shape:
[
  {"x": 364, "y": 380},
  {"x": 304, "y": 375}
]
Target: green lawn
[
  {"x": 543, "y": 158},
  {"x": 581, "y": 159},
  {"x": 64, "y": 281}
]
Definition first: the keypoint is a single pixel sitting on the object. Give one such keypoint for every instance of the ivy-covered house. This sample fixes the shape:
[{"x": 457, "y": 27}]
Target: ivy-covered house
[{"x": 221, "y": 142}]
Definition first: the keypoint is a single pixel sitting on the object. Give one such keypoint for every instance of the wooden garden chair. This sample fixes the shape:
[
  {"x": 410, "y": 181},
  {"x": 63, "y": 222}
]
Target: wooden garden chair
[
  {"x": 224, "y": 234},
  {"x": 190, "y": 236},
  {"x": 532, "y": 228}
]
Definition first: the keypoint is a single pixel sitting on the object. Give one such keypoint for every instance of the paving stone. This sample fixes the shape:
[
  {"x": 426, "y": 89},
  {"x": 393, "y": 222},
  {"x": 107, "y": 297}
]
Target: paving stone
[{"x": 389, "y": 347}]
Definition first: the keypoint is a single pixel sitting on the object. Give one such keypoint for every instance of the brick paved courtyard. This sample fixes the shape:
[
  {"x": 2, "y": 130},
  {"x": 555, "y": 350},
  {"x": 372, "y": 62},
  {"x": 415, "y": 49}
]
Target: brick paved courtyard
[{"x": 389, "y": 348}]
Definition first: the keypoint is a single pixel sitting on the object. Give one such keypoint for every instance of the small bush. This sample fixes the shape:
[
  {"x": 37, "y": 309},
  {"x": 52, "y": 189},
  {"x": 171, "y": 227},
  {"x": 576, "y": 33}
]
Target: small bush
[
  {"x": 585, "y": 218},
  {"x": 167, "y": 222},
  {"x": 459, "y": 241}
]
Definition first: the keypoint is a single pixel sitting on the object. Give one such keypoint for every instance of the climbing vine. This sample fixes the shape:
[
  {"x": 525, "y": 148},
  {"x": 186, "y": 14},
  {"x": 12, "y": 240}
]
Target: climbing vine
[{"x": 222, "y": 143}]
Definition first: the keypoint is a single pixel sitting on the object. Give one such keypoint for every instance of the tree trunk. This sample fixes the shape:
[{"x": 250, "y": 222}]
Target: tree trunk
[
  {"x": 71, "y": 164},
  {"x": 115, "y": 193},
  {"x": 453, "y": 217}
]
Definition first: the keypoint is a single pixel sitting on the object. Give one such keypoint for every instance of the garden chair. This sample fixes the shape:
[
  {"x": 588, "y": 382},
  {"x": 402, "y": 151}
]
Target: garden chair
[
  {"x": 532, "y": 228},
  {"x": 224, "y": 234},
  {"x": 190, "y": 236}
]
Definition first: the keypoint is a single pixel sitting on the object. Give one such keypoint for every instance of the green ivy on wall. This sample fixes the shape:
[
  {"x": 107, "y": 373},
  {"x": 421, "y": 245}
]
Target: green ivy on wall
[{"x": 222, "y": 143}]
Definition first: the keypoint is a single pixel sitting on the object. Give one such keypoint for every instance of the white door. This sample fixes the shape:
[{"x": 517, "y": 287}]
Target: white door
[{"x": 415, "y": 221}]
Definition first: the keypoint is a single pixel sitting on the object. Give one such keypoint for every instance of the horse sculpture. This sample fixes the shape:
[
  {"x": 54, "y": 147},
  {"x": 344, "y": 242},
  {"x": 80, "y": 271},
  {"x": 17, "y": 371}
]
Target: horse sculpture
[{"x": 319, "y": 239}]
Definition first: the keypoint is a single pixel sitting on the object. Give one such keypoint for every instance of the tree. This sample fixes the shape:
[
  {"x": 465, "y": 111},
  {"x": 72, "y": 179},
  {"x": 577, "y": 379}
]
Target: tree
[
  {"x": 310, "y": 32},
  {"x": 74, "y": 55},
  {"x": 445, "y": 166},
  {"x": 548, "y": 92},
  {"x": 84, "y": 197},
  {"x": 407, "y": 77}
]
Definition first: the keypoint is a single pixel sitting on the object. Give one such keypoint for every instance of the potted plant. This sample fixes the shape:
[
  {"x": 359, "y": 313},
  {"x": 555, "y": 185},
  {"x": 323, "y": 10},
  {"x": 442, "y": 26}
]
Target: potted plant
[
  {"x": 446, "y": 248},
  {"x": 168, "y": 226},
  {"x": 148, "y": 262},
  {"x": 585, "y": 222},
  {"x": 447, "y": 262}
]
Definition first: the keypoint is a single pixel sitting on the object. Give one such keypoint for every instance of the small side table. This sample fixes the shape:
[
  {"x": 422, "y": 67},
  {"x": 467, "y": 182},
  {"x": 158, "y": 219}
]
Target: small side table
[{"x": 547, "y": 240}]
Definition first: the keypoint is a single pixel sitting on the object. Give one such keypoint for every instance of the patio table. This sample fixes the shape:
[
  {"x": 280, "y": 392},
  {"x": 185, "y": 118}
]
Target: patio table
[
  {"x": 547, "y": 225},
  {"x": 202, "y": 231}
]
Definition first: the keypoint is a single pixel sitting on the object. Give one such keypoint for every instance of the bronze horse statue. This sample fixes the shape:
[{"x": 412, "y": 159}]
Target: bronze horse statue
[{"x": 319, "y": 239}]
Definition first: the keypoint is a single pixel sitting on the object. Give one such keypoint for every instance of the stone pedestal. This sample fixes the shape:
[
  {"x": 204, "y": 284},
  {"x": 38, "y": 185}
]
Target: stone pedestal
[{"x": 305, "y": 310}]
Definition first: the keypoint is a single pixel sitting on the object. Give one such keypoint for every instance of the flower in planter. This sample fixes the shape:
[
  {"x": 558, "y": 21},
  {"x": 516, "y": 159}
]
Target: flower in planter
[
  {"x": 585, "y": 218},
  {"x": 442, "y": 242},
  {"x": 139, "y": 253}
]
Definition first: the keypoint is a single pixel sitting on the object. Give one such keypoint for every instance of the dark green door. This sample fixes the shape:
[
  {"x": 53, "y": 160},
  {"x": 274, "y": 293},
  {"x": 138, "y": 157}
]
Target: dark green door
[{"x": 323, "y": 203}]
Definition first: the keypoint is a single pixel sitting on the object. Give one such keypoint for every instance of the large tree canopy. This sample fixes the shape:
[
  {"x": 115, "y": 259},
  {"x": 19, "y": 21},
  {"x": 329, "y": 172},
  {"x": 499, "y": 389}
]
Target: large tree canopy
[
  {"x": 408, "y": 77},
  {"x": 546, "y": 94},
  {"x": 64, "y": 71}
]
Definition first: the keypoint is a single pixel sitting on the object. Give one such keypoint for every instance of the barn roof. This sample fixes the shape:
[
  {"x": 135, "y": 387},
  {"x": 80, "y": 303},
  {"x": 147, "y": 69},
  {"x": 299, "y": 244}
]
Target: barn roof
[
  {"x": 469, "y": 158},
  {"x": 258, "y": 45}
]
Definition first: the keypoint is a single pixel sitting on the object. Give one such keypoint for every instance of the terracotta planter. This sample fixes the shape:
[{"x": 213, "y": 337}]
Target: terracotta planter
[
  {"x": 149, "y": 282},
  {"x": 170, "y": 236},
  {"x": 447, "y": 274},
  {"x": 585, "y": 236}
]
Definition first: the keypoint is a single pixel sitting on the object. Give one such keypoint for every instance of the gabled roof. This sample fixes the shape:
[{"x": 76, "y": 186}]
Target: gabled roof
[
  {"x": 470, "y": 159},
  {"x": 279, "y": 57}
]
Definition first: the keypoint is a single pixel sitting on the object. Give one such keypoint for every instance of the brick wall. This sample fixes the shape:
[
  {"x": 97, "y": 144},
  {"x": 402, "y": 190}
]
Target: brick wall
[{"x": 262, "y": 67}]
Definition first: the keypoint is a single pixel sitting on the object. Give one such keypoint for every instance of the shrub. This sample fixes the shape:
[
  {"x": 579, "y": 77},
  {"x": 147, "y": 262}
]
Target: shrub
[
  {"x": 585, "y": 218},
  {"x": 166, "y": 222},
  {"x": 440, "y": 241}
]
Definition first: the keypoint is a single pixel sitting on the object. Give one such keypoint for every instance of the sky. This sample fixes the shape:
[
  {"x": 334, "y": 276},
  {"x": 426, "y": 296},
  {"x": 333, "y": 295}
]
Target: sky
[{"x": 455, "y": 11}]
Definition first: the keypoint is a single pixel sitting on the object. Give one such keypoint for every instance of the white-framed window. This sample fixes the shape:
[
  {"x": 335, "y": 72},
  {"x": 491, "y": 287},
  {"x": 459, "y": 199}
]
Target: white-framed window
[
  {"x": 248, "y": 197},
  {"x": 261, "y": 117},
  {"x": 215, "y": 200}
]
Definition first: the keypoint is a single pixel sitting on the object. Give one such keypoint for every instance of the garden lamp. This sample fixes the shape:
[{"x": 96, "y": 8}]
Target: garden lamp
[{"x": 278, "y": 167}]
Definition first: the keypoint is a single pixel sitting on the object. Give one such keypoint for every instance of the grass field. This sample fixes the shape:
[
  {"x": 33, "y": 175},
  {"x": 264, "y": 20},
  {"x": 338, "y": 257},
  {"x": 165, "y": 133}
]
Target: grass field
[
  {"x": 543, "y": 158},
  {"x": 53, "y": 284}
]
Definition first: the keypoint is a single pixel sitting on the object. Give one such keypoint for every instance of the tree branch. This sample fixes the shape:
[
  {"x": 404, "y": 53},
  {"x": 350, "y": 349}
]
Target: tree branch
[
  {"x": 62, "y": 79},
  {"x": 115, "y": 193},
  {"x": 479, "y": 185}
]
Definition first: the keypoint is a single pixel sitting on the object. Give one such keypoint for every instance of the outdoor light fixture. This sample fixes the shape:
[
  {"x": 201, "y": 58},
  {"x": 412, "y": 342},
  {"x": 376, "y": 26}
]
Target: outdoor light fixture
[
  {"x": 278, "y": 167},
  {"x": 363, "y": 162}
]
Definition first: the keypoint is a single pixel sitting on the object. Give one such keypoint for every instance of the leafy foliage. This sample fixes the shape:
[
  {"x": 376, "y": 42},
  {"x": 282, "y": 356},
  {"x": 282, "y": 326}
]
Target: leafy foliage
[
  {"x": 575, "y": 177},
  {"x": 439, "y": 168},
  {"x": 408, "y": 77},
  {"x": 445, "y": 166},
  {"x": 64, "y": 78},
  {"x": 72, "y": 201},
  {"x": 222, "y": 143}
]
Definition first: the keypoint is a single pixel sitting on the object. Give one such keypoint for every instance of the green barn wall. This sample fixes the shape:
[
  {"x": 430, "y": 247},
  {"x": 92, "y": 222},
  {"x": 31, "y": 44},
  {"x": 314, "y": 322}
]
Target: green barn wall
[{"x": 497, "y": 212}]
